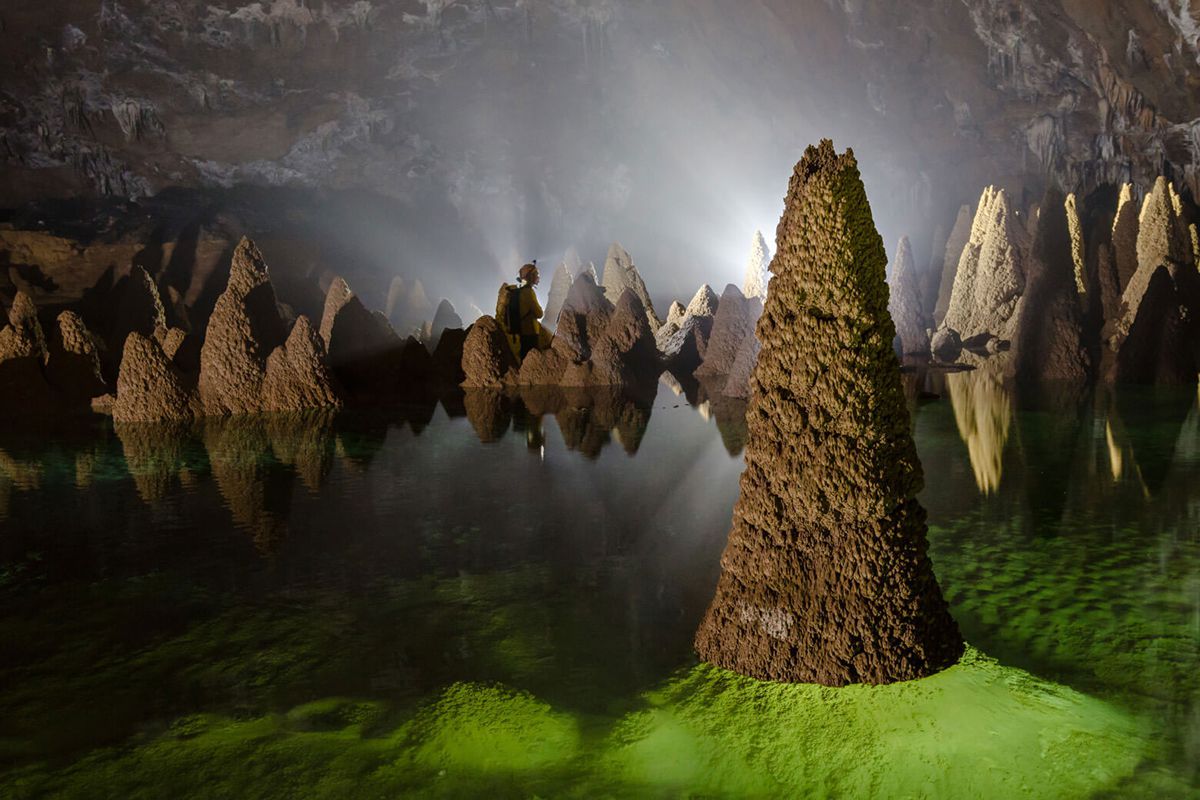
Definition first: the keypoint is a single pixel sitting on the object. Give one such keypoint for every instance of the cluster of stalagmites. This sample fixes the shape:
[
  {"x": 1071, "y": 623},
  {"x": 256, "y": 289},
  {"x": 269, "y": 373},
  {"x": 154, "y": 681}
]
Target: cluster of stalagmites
[
  {"x": 252, "y": 358},
  {"x": 1104, "y": 288},
  {"x": 825, "y": 578}
]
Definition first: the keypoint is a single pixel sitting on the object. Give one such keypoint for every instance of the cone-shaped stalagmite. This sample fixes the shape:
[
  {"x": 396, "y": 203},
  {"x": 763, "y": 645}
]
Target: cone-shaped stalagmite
[
  {"x": 560, "y": 285},
  {"x": 755, "y": 284},
  {"x": 1125, "y": 236},
  {"x": 621, "y": 274},
  {"x": 904, "y": 303},
  {"x": 826, "y": 578},
  {"x": 954, "y": 250}
]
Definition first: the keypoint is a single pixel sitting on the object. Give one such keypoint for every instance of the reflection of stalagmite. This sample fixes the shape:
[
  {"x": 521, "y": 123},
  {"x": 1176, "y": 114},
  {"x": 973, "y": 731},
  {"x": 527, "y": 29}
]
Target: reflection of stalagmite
[
  {"x": 490, "y": 413},
  {"x": 303, "y": 441},
  {"x": 255, "y": 489},
  {"x": 826, "y": 576},
  {"x": 983, "y": 412},
  {"x": 155, "y": 455}
]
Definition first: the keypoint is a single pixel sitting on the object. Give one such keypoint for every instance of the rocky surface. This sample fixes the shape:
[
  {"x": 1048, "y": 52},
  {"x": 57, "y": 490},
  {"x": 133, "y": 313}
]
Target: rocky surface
[
  {"x": 624, "y": 354},
  {"x": 488, "y": 361},
  {"x": 23, "y": 355},
  {"x": 904, "y": 303},
  {"x": 675, "y": 314},
  {"x": 955, "y": 245},
  {"x": 364, "y": 352},
  {"x": 946, "y": 345},
  {"x": 683, "y": 339},
  {"x": 738, "y": 383},
  {"x": 149, "y": 387},
  {"x": 826, "y": 578},
  {"x": 73, "y": 363},
  {"x": 584, "y": 317},
  {"x": 757, "y": 269},
  {"x": 297, "y": 376},
  {"x": 734, "y": 320},
  {"x": 244, "y": 328},
  {"x": 445, "y": 317},
  {"x": 620, "y": 274},
  {"x": 560, "y": 286},
  {"x": 1125, "y": 236}
]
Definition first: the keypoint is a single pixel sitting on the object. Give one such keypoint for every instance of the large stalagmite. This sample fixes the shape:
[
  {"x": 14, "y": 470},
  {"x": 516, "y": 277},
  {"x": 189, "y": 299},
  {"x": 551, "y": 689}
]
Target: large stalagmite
[
  {"x": 826, "y": 578},
  {"x": 734, "y": 320},
  {"x": 755, "y": 283},
  {"x": 955, "y": 245},
  {"x": 904, "y": 303},
  {"x": 621, "y": 274},
  {"x": 560, "y": 285}
]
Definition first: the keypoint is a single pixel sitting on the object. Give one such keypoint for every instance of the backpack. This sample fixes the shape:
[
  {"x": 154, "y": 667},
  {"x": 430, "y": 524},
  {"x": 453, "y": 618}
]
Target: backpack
[{"x": 508, "y": 308}]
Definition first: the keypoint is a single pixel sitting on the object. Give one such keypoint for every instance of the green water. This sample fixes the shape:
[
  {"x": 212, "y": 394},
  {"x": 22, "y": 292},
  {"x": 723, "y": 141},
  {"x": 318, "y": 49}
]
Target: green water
[{"x": 383, "y": 605}]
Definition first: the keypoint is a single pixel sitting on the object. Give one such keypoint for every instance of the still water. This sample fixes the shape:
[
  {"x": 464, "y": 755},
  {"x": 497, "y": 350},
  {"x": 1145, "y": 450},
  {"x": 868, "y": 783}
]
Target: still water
[{"x": 483, "y": 598}]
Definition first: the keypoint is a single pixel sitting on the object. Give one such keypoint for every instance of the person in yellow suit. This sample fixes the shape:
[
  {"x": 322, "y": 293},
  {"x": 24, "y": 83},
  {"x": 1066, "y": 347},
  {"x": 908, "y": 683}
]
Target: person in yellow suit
[{"x": 519, "y": 314}]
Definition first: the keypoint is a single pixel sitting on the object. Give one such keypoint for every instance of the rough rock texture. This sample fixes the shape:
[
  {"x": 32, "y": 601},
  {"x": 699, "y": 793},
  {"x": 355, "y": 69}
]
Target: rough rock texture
[
  {"x": 904, "y": 303},
  {"x": 244, "y": 328},
  {"x": 149, "y": 387},
  {"x": 488, "y": 362},
  {"x": 445, "y": 317},
  {"x": 448, "y": 356},
  {"x": 560, "y": 286},
  {"x": 621, "y": 274},
  {"x": 959, "y": 236},
  {"x": 683, "y": 340},
  {"x": 624, "y": 354},
  {"x": 826, "y": 578},
  {"x": 23, "y": 354},
  {"x": 544, "y": 367},
  {"x": 584, "y": 317},
  {"x": 738, "y": 384},
  {"x": 1162, "y": 235},
  {"x": 1049, "y": 344},
  {"x": 704, "y": 303},
  {"x": 734, "y": 321},
  {"x": 1125, "y": 236},
  {"x": 365, "y": 354},
  {"x": 675, "y": 314},
  {"x": 297, "y": 377},
  {"x": 946, "y": 345},
  {"x": 73, "y": 368},
  {"x": 990, "y": 282},
  {"x": 757, "y": 275},
  {"x": 1078, "y": 249}
]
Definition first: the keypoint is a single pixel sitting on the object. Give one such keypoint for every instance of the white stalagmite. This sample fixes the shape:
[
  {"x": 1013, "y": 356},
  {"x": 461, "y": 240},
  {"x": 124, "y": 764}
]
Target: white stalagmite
[
  {"x": 1075, "y": 229},
  {"x": 757, "y": 276},
  {"x": 904, "y": 303},
  {"x": 621, "y": 274},
  {"x": 560, "y": 286},
  {"x": 955, "y": 245}
]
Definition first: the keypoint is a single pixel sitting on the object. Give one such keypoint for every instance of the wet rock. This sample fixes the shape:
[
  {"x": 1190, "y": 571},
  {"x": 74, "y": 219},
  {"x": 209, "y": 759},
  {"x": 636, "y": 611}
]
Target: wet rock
[
  {"x": 734, "y": 320},
  {"x": 244, "y": 328},
  {"x": 149, "y": 387},
  {"x": 946, "y": 346},
  {"x": 990, "y": 283},
  {"x": 73, "y": 367},
  {"x": 959, "y": 236},
  {"x": 489, "y": 411},
  {"x": 1049, "y": 343},
  {"x": 621, "y": 274},
  {"x": 904, "y": 302},
  {"x": 757, "y": 269},
  {"x": 560, "y": 286},
  {"x": 544, "y": 367},
  {"x": 445, "y": 317},
  {"x": 826, "y": 577},
  {"x": 684, "y": 349},
  {"x": 488, "y": 361},
  {"x": 624, "y": 354},
  {"x": 584, "y": 317},
  {"x": 297, "y": 376}
]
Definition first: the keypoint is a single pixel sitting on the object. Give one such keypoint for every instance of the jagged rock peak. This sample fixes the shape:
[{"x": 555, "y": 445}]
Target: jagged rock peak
[
  {"x": 734, "y": 320},
  {"x": 757, "y": 268},
  {"x": 990, "y": 282},
  {"x": 705, "y": 302},
  {"x": 1078, "y": 250},
  {"x": 23, "y": 336},
  {"x": 826, "y": 577},
  {"x": 1162, "y": 237},
  {"x": 297, "y": 375},
  {"x": 959, "y": 236},
  {"x": 244, "y": 328},
  {"x": 560, "y": 286},
  {"x": 1125, "y": 236},
  {"x": 675, "y": 315},
  {"x": 73, "y": 366},
  {"x": 445, "y": 317},
  {"x": 488, "y": 360},
  {"x": 621, "y": 274},
  {"x": 149, "y": 388},
  {"x": 335, "y": 298},
  {"x": 904, "y": 302}
]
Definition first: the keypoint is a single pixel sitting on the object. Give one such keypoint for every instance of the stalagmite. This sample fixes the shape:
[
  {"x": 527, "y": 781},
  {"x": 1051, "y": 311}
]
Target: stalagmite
[
  {"x": 675, "y": 314},
  {"x": 149, "y": 387},
  {"x": 683, "y": 340},
  {"x": 488, "y": 361},
  {"x": 959, "y": 236},
  {"x": 826, "y": 578},
  {"x": 990, "y": 282},
  {"x": 584, "y": 316},
  {"x": 757, "y": 277},
  {"x": 621, "y": 274},
  {"x": 244, "y": 328},
  {"x": 445, "y": 317},
  {"x": 364, "y": 352},
  {"x": 1125, "y": 236},
  {"x": 297, "y": 376},
  {"x": 23, "y": 356},
  {"x": 1162, "y": 237},
  {"x": 904, "y": 303},
  {"x": 73, "y": 365},
  {"x": 1075, "y": 229},
  {"x": 560, "y": 286},
  {"x": 734, "y": 320}
]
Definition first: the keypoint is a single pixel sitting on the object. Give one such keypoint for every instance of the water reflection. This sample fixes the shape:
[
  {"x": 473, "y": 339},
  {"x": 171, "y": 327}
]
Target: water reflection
[{"x": 983, "y": 411}]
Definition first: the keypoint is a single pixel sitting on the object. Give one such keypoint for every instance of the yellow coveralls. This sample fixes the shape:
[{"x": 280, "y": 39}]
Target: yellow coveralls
[{"x": 530, "y": 335}]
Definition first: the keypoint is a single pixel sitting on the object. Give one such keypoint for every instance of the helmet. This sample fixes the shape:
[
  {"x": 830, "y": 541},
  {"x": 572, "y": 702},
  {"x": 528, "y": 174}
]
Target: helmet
[{"x": 527, "y": 272}]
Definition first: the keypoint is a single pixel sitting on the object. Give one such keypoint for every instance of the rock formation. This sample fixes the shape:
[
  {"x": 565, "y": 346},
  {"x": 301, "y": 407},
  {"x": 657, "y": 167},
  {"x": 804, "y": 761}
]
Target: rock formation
[
  {"x": 149, "y": 387},
  {"x": 624, "y": 354},
  {"x": 704, "y": 303},
  {"x": 584, "y": 316},
  {"x": 1162, "y": 235},
  {"x": 983, "y": 413},
  {"x": 946, "y": 346},
  {"x": 365, "y": 354},
  {"x": 23, "y": 356},
  {"x": 738, "y": 383},
  {"x": 1125, "y": 236},
  {"x": 990, "y": 282},
  {"x": 406, "y": 306},
  {"x": 734, "y": 320},
  {"x": 904, "y": 303},
  {"x": 244, "y": 328},
  {"x": 826, "y": 578},
  {"x": 73, "y": 365},
  {"x": 1049, "y": 341},
  {"x": 488, "y": 361},
  {"x": 445, "y": 317},
  {"x": 297, "y": 376},
  {"x": 1078, "y": 250},
  {"x": 959, "y": 236},
  {"x": 675, "y": 314},
  {"x": 621, "y": 274},
  {"x": 757, "y": 274},
  {"x": 138, "y": 308},
  {"x": 560, "y": 286},
  {"x": 683, "y": 340}
]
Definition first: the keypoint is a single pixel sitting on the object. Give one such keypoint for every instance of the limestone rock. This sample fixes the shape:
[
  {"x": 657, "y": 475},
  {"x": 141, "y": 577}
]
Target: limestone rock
[
  {"x": 584, "y": 317},
  {"x": 1078, "y": 253},
  {"x": 365, "y": 354},
  {"x": 560, "y": 286},
  {"x": 73, "y": 368},
  {"x": 1049, "y": 342},
  {"x": 23, "y": 336},
  {"x": 826, "y": 577},
  {"x": 704, "y": 303},
  {"x": 244, "y": 328},
  {"x": 738, "y": 384},
  {"x": 488, "y": 361},
  {"x": 445, "y": 317},
  {"x": 904, "y": 302},
  {"x": 684, "y": 349},
  {"x": 955, "y": 245},
  {"x": 675, "y": 315},
  {"x": 448, "y": 356},
  {"x": 139, "y": 308},
  {"x": 1162, "y": 235},
  {"x": 297, "y": 376},
  {"x": 624, "y": 354},
  {"x": 23, "y": 354},
  {"x": 149, "y": 387},
  {"x": 1125, "y": 237},
  {"x": 757, "y": 269},
  {"x": 946, "y": 346},
  {"x": 543, "y": 367},
  {"x": 621, "y": 274},
  {"x": 1155, "y": 340},
  {"x": 990, "y": 282},
  {"x": 734, "y": 321}
]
